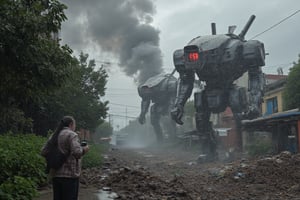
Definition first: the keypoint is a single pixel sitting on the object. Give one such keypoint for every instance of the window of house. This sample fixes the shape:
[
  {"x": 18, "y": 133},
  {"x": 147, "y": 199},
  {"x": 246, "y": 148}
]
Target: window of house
[{"x": 272, "y": 106}]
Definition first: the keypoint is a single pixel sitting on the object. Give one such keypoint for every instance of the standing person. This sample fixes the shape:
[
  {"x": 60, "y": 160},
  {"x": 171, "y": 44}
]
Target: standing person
[{"x": 65, "y": 180}]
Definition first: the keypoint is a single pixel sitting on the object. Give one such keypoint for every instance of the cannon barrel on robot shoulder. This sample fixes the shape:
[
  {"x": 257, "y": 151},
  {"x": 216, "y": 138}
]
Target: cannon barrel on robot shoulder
[{"x": 246, "y": 27}]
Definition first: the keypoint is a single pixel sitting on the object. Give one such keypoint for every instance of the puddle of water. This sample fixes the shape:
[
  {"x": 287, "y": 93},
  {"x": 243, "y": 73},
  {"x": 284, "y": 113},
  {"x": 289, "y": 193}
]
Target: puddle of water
[{"x": 106, "y": 195}]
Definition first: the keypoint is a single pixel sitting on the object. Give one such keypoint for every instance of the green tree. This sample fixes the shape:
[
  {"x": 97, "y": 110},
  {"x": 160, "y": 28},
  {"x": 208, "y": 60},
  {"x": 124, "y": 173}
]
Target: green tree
[
  {"x": 86, "y": 88},
  {"x": 32, "y": 62},
  {"x": 80, "y": 96},
  {"x": 291, "y": 94},
  {"x": 104, "y": 130}
]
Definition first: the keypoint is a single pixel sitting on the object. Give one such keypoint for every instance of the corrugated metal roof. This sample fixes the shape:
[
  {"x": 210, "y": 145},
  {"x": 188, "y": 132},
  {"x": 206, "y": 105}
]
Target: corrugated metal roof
[{"x": 281, "y": 115}]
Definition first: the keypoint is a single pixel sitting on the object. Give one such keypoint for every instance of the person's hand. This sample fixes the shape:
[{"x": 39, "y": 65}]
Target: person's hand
[
  {"x": 142, "y": 119},
  {"x": 176, "y": 114},
  {"x": 86, "y": 149}
]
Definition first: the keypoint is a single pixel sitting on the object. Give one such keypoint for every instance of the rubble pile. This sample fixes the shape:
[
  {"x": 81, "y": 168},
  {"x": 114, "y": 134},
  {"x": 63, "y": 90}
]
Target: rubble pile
[
  {"x": 140, "y": 184},
  {"x": 276, "y": 177}
]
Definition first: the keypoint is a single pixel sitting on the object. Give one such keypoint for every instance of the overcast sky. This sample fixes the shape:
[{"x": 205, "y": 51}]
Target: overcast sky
[{"x": 138, "y": 37}]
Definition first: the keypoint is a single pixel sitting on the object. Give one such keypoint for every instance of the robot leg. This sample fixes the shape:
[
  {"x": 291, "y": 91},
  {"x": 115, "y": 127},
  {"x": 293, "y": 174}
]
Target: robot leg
[
  {"x": 204, "y": 127},
  {"x": 212, "y": 155},
  {"x": 155, "y": 121},
  {"x": 207, "y": 137},
  {"x": 172, "y": 129}
]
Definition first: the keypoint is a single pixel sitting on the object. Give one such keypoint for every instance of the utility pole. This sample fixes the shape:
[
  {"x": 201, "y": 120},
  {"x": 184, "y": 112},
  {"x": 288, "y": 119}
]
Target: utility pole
[
  {"x": 125, "y": 116},
  {"x": 110, "y": 120}
]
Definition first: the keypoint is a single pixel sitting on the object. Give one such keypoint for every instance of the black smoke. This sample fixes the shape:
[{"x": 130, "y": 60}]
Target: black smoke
[{"x": 120, "y": 27}]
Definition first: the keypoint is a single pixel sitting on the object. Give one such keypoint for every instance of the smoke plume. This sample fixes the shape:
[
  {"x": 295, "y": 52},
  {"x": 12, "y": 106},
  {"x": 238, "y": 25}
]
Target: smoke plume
[{"x": 120, "y": 27}]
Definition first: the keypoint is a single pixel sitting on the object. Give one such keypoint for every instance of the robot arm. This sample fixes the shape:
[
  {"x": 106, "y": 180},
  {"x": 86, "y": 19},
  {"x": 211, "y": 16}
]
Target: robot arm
[
  {"x": 144, "y": 109},
  {"x": 256, "y": 92},
  {"x": 184, "y": 91}
]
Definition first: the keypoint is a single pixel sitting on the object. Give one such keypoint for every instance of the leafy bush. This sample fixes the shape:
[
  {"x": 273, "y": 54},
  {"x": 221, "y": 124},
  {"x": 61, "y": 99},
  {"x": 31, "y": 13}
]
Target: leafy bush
[
  {"x": 14, "y": 120},
  {"x": 93, "y": 157},
  {"x": 261, "y": 147},
  {"x": 18, "y": 188},
  {"x": 22, "y": 166}
]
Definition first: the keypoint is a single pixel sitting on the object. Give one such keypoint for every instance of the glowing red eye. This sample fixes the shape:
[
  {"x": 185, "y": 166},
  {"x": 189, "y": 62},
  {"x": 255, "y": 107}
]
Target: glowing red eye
[{"x": 193, "y": 56}]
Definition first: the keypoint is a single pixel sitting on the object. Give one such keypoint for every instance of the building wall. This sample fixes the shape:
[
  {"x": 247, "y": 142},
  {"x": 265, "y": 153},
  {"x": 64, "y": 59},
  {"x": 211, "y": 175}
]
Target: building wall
[
  {"x": 269, "y": 95},
  {"x": 274, "y": 89},
  {"x": 231, "y": 138}
]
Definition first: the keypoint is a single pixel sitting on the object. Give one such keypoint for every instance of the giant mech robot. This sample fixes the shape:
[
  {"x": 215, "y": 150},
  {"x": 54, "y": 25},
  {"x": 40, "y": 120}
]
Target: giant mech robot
[
  {"x": 161, "y": 91},
  {"x": 218, "y": 60}
]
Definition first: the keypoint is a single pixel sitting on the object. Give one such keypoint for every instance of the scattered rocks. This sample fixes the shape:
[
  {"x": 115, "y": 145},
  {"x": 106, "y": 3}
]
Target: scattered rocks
[{"x": 132, "y": 175}]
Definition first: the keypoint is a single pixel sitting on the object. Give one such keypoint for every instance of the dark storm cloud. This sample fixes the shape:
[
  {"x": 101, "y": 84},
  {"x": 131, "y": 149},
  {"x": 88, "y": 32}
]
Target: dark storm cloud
[
  {"x": 194, "y": 18},
  {"x": 121, "y": 27}
]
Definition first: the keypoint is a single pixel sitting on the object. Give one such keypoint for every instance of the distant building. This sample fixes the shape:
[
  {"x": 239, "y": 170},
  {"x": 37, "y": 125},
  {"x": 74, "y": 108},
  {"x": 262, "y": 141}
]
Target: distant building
[
  {"x": 281, "y": 127},
  {"x": 227, "y": 131},
  {"x": 271, "y": 78},
  {"x": 229, "y": 134},
  {"x": 273, "y": 94}
]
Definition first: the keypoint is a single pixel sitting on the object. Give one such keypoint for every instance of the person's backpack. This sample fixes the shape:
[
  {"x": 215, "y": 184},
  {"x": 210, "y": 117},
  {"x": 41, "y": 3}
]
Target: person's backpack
[{"x": 54, "y": 158}]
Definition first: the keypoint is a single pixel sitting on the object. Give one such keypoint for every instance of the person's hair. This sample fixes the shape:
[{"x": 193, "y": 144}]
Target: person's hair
[{"x": 65, "y": 122}]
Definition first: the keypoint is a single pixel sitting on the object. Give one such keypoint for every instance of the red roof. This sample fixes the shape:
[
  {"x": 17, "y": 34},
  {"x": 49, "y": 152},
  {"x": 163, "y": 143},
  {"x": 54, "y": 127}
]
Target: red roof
[
  {"x": 275, "y": 76},
  {"x": 227, "y": 112}
]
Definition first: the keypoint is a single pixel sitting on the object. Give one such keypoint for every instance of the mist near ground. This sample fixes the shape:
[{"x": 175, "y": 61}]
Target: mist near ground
[{"x": 137, "y": 135}]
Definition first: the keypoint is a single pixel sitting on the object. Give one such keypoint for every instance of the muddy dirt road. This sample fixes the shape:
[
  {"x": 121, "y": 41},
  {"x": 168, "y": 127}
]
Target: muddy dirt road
[
  {"x": 164, "y": 172},
  {"x": 169, "y": 173}
]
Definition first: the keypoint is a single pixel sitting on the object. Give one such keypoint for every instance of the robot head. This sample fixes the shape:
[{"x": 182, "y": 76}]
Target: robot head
[
  {"x": 193, "y": 58},
  {"x": 188, "y": 58}
]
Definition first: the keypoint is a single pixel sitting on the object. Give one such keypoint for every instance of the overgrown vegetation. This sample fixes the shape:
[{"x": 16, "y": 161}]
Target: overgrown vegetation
[
  {"x": 22, "y": 166},
  {"x": 291, "y": 95},
  {"x": 260, "y": 147},
  {"x": 94, "y": 157},
  {"x": 43, "y": 81},
  {"x": 34, "y": 64},
  {"x": 79, "y": 97},
  {"x": 104, "y": 130}
]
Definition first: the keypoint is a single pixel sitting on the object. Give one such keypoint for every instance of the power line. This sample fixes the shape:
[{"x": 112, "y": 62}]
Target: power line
[
  {"x": 122, "y": 112},
  {"x": 119, "y": 94},
  {"x": 124, "y": 109},
  {"x": 122, "y": 89},
  {"x": 123, "y": 116},
  {"x": 282, "y": 64},
  {"x": 276, "y": 24},
  {"x": 123, "y": 105},
  {"x": 131, "y": 93}
]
